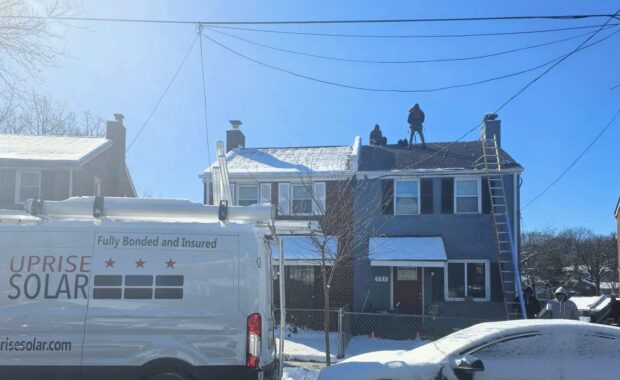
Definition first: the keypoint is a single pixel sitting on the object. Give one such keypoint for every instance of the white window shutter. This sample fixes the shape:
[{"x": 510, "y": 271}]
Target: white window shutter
[
  {"x": 284, "y": 204},
  {"x": 318, "y": 206},
  {"x": 233, "y": 194},
  {"x": 264, "y": 193}
]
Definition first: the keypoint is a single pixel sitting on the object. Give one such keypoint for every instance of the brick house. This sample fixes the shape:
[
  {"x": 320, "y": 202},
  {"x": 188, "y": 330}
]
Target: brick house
[
  {"x": 59, "y": 167},
  {"x": 304, "y": 183},
  {"x": 428, "y": 246}
]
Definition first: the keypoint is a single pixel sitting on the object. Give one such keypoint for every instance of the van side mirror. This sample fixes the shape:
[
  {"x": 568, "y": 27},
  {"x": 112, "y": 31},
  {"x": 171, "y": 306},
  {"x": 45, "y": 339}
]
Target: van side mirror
[{"x": 469, "y": 363}]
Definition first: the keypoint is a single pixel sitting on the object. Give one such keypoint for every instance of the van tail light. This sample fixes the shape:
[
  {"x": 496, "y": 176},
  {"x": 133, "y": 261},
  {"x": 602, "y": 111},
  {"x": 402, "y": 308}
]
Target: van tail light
[{"x": 254, "y": 341}]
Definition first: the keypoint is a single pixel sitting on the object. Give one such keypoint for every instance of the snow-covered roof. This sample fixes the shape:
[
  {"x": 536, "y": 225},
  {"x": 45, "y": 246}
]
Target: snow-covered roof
[
  {"x": 289, "y": 160},
  {"x": 302, "y": 250},
  {"x": 49, "y": 150},
  {"x": 424, "y": 250}
]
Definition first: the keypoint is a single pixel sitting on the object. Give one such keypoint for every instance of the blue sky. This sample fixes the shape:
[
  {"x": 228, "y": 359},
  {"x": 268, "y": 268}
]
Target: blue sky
[{"x": 114, "y": 67}]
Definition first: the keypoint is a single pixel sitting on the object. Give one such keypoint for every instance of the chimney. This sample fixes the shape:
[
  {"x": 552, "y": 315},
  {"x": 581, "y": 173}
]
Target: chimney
[
  {"x": 115, "y": 131},
  {"x": 234, "y": 137},
  {"x": 491, "y": 127}
]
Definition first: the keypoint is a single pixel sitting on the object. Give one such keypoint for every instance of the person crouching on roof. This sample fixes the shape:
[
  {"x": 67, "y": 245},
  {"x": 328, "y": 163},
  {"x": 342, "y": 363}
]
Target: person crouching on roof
[{"x": 561, "y": 307}]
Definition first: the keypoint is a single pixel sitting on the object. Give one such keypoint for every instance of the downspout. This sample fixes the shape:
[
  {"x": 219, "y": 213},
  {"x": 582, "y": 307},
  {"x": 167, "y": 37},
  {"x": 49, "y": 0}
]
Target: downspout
[{"x": 70, "y": 182}]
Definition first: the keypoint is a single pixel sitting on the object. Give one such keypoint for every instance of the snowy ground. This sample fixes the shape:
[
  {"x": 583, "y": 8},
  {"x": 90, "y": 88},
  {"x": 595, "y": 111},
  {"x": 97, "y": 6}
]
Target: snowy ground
[
  {"x": 309, "y": 345},
  {"x": 294, "y": 373}
]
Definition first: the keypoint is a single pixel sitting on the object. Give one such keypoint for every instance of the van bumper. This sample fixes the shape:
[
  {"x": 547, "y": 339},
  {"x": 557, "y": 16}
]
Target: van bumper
[{"x": 266, "y": 372}]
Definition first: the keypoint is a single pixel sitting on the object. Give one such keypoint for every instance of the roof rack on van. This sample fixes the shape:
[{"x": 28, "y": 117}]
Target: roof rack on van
[{"x": 147, "y": 209}]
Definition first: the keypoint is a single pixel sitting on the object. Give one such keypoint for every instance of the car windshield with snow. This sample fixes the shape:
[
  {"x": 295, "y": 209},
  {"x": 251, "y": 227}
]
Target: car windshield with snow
[{"x": 530, "y": 349}]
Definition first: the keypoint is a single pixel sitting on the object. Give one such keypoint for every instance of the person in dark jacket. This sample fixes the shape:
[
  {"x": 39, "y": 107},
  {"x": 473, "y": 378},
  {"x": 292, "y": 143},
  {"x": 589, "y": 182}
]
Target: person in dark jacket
[
  {"x": 376, "y": 136},
  {"x": 532, "y": 306},
  {"x": 415, "y": 120}
]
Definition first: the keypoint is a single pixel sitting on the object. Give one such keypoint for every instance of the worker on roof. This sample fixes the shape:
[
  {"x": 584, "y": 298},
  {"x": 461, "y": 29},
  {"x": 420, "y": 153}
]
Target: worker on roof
[
  {"x": 415, "y": 120},
  {"x": 561, "y": 307},
  {"x": 376, "y": 136}
]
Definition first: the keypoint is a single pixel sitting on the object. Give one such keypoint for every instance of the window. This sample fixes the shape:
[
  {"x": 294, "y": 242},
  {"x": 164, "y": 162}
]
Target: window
[
  {"x": 406, "y": 196},
  {"x": 27, "y": 185},
  {"x": 247, "y": 195},
  {"x": 301, "y": 199},
  {"x": 299, "y": 282},
  {"x": 467, "y": 279},
  {"x": 467, "y": 196},
  {"x": 527, "y": 346},
  {"x": 97, "y": 187}
]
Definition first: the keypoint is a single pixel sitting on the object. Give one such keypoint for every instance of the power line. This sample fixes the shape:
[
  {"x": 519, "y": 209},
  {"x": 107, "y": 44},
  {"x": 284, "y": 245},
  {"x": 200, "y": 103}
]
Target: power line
[
  {"x": 410, "y": 61},
  {"x": 318, "y": 22},
  {"x": 176, "y": 73},
  {"x": 557, "y": 179},
  {"x": 204, "y": 94},
  {"x": 581, "y": 46},
  {"x": 428, "y": 90},
  {"x": 457, "y": 35}
]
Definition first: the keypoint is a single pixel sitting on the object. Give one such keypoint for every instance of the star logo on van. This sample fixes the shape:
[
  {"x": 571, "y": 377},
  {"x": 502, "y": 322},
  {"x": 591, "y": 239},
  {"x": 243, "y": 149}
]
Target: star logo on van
[
  {"x": 109, "y": 263},
  {"x": 140, "y": 263},
  {"x": 170, "y": 263}
]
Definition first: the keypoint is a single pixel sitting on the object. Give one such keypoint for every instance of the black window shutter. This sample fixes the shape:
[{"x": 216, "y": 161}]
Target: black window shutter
[
  {"x": 447, "y": 195},
  {"x": 426, "y": 186},
  {"x": 387, "y": 196},
  {"x": 486, "y": 198}
]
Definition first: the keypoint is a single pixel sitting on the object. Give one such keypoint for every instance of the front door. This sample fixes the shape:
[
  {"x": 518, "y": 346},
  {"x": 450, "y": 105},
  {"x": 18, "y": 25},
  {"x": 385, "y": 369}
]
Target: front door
[{"x": 407, "y": 290}]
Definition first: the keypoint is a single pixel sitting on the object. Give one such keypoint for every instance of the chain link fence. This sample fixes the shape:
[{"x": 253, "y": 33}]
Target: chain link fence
[{"x": 357, "y": 333}]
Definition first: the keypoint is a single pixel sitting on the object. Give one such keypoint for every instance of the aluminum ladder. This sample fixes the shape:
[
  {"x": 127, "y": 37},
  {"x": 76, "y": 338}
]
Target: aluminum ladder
[{"x": 507, "y": 259}]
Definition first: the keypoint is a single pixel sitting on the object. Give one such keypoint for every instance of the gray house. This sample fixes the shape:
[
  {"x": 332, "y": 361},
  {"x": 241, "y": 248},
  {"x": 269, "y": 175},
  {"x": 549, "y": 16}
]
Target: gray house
[{"x": 425, "y": 232}]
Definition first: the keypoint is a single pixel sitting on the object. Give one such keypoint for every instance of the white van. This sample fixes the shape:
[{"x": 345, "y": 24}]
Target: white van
[{"x": 136, "y": 289}]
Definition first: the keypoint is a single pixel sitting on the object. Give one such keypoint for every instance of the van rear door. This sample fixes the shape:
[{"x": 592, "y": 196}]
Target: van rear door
[
  {"x": 44, "y": 276},
  {"x": 159, "y": 294}
]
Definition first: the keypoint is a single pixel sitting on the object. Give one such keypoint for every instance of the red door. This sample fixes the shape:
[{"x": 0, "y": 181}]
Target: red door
[{"x": 407, "y": 290}]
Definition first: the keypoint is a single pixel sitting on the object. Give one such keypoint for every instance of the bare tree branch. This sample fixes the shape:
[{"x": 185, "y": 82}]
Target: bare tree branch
[{"x": 28, "y": 45}]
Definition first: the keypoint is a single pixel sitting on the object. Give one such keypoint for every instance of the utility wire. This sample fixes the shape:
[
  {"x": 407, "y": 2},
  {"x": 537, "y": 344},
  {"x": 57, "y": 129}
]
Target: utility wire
[
  {"x": 319, "y": 22},
  {"x": 557, "y": 179},
  {"x": 176, "y": 73},
  {"x": 457, "y": 35},
  {"x": 204, "y": 94},
  {"x": 409, "y": 61},
  {"x": 614, "y": 87},
  {"x": 581, "y": 46},
  {"x": 554, "y": 61}
]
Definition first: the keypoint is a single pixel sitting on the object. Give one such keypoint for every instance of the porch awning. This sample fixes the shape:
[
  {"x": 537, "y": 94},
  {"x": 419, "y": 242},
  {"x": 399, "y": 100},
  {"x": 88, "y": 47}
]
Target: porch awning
[
  {"x": 407, "y": 251},
  {"x": 304, "y": 250}
]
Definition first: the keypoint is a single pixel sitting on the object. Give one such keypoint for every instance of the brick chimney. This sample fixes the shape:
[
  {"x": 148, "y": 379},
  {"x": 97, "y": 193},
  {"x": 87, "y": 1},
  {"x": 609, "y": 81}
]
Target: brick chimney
[
  {"x": 116, "y": 132},
  {"x": 234, "y": 137},
  {"x": 491, "y": 127}
]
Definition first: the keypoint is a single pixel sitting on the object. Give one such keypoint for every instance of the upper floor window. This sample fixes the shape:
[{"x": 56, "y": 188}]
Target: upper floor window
[
  {"x": 247, "y": 195},
  {"x": 27, "y": 185},
  {"x": 406, "y": 195},
  {"x": 301, "y": 199},
  {"x": 467, "y": 196}
]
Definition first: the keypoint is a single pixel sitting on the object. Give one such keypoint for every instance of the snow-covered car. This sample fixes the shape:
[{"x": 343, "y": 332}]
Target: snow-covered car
[{"x": 525, "y": 349}]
